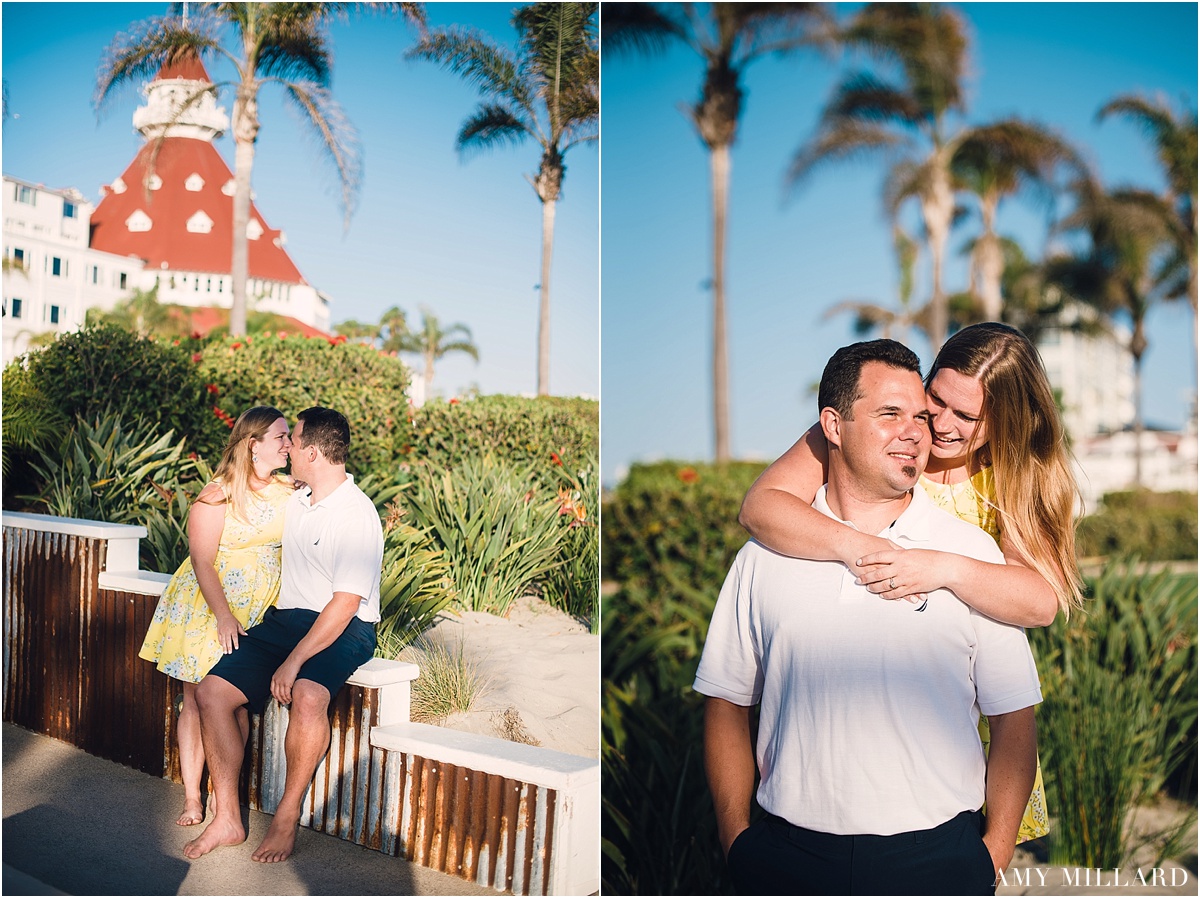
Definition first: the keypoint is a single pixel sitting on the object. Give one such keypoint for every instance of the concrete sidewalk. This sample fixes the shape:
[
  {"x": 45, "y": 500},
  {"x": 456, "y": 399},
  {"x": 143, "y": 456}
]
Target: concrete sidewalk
[{"x": 79, "y": 825}]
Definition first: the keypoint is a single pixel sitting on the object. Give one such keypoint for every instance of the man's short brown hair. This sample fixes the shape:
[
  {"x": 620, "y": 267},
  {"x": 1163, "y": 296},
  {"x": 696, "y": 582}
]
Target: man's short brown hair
[{"x": 328, "y": 430}]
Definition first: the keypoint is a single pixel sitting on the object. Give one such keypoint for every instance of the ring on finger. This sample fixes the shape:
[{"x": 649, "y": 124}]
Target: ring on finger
[{"x": 892, "y": 583}]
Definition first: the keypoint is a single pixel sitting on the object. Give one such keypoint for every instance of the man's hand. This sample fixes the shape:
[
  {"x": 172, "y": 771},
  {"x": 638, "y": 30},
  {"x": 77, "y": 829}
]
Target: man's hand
[
  {"x": 283, "y": 681},
  {"x": 1001, "y": 851}
]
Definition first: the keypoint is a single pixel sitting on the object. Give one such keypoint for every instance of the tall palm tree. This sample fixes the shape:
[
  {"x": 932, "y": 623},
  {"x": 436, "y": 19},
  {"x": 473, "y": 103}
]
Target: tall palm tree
[
  {"x": 728, "y": 37},
  {"x": 548, "y": 91},
  {"x": 392, "y": 329},
  {"x": 1115, "y": 273},
  {"x": 431, "y": 342},
  {"x": 927, "y": 45},
  {"x": 1175, "y": 142},
  {"x": 992, "y": 162},
  {"x": 266, "y": 43}
]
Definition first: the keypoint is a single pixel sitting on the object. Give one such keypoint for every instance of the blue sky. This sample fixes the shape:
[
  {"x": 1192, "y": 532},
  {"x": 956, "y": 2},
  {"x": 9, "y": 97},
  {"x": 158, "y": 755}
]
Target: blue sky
[
  {"x": 1054, "y": 63},
  {"x": 462, "y": 237}
]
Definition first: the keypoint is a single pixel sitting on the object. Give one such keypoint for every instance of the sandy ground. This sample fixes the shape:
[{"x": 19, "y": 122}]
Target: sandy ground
[
  {"x": 1031, "y": 873},
  {"x": 544, "y": 673}
]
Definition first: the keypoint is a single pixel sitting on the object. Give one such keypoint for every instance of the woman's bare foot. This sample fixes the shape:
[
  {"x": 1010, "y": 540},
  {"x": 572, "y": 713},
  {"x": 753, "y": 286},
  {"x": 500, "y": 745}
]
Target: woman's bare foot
[
  {"x": 193, "y": 813},
  {"x": 220, "y": 832},
  {"x": 279, "y": 842}
]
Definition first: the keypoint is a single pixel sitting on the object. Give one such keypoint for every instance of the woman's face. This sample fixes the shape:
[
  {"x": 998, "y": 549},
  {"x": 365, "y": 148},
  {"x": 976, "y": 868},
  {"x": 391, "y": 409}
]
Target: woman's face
[
  {"x": 273, "y": 448},
  {"x": 956, "y": 415}
]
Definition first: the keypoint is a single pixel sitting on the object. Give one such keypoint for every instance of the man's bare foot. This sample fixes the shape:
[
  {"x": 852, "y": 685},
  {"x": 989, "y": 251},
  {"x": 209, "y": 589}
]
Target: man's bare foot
[
  {"x": 278, "y": 843},
  {"x": 220, "y": 832},
  {"x": 193, "y": 813}
]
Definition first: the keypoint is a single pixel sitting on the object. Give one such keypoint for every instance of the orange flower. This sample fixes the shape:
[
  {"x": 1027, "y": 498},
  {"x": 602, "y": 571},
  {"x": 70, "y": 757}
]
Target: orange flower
[
  {"x": 688, "y": 475},
  {"x": 212, "y": 388},
  {"x": 555, "y": 460}
]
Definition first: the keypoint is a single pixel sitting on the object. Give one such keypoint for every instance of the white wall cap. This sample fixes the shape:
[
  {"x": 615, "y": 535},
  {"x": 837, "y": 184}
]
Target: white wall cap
[
  {"x": 382, "y": 672},
  {"x": 499, "y": 757},
  {"x": 148, "y": 583},
  {"x": 72, "y": 526}
]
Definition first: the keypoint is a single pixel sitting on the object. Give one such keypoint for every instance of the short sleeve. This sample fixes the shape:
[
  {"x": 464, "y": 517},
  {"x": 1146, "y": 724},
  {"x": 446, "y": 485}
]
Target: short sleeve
[
  {"x": 731, "y": 664},
  {"x": 358, "y": 556}
]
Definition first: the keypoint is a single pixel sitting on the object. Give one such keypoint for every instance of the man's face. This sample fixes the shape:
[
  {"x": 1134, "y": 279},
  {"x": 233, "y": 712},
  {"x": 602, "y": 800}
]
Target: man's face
[
  {"x": 886, "y": 444},
  {"x": 299, "y": 454}
]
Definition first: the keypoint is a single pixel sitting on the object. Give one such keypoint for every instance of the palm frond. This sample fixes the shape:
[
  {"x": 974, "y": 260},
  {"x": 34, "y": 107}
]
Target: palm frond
[
  {"x": 640, "y": 27},
  {"x": 754, "y": 30},
  {"x": 466, "y": 52},
  {"x": 336, "y": 136},
  {"x": 138, "y": 54},
  {"x": 492, "y": 125},
  {"x": 291, "y": 44},
  {"x": 863, "y": 97},
  {"x": 845, "y": 140}
]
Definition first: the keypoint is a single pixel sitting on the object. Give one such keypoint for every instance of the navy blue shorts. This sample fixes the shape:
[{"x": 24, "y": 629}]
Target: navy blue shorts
[{"x": 267, "y": 645}]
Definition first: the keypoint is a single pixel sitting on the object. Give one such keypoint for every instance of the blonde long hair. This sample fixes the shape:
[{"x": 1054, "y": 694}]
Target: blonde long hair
[
  {"x": 1036, "y": 493},
  {"x": 237, "y": 463}
]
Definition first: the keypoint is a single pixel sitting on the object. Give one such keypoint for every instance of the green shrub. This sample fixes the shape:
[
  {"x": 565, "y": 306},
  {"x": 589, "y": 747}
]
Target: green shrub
[
  {"x": 415, "y": 587},
  {"x": 450, "y": 682},
  {"x": 294, "y": 373},
  {"x": 574, "y": 587},
  {"x": 670, "y": 535},
  {"x": 516, "y": 430},
  {"x": 500, "y": 529},
  {"x": 1119, "y": 717},
  {"x": 1152, "y": 526},
  {"x": 107, "y": 471},
  {"x": 673, "y": 527},
  {"x": 106, "y": 367}
]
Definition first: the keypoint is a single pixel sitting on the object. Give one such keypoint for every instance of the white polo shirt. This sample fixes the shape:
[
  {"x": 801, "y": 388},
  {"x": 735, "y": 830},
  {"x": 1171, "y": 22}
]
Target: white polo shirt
[
  {"x": 333, "y": 546},
  {"x": 869, "y": 706}
]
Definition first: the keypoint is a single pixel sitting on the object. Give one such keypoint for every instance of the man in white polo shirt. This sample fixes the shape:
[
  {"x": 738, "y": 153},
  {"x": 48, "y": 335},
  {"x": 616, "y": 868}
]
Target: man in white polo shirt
[
  {"x": 321, "y": 630},
  {"x": 872, "y": 771}
]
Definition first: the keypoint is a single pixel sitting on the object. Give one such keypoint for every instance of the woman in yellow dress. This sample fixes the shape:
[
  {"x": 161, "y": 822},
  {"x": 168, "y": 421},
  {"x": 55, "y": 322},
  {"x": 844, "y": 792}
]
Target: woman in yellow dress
[
  {"x": 229, "y": 580},
  {"x": 998, "y": 459}
]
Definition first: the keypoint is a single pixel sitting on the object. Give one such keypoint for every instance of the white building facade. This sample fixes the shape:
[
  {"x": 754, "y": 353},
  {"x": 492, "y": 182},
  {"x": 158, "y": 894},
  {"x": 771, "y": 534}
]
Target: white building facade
[{"x": 165, "y": 222}]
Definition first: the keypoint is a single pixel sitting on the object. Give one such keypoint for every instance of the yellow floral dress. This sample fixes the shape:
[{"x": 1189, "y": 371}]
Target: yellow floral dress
[
  {"x": 182, "y": 639},
  {"x": 974, "y": 501}
]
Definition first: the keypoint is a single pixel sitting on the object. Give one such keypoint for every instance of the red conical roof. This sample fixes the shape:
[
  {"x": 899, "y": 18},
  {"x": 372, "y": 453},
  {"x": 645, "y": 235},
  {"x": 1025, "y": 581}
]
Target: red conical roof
[
  {"x": 187, "y": 66},
  {"x": 168, "y": 244}
]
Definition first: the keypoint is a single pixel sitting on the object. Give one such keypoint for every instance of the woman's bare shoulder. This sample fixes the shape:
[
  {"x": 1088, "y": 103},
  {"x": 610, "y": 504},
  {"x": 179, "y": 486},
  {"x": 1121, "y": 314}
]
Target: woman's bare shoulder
[{"x": 212, "y": 494}]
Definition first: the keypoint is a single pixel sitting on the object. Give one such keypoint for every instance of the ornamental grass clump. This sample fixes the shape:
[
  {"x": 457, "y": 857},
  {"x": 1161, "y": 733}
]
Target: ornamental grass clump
[
  {"x": 450, "y": 681},
  {"x": 1118, "y": 723},
  {"x": 499, "y": 528}
]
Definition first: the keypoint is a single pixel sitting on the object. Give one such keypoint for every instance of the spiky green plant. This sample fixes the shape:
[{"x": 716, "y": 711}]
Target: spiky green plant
[
  {"x": 499, "y": 529},
  {"x": 415, "y": 588}
]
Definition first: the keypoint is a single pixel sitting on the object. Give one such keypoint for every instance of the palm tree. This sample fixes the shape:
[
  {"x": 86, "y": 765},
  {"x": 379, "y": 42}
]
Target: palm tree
[
  {"x": 1174, "y": 139},
  {"x": 1116, "y": 273},
  {"x": 392, "y": 329},
  {"x": 141, "y": 314},
  {"x": 994, "y": 161},
  {"x": 271, "y": 43},
  {"x": 358, "y": 331},
  {"x": 728, "y": 39},
  {"x": 891, "y": 323},
  {"x": 928, "y": 44},
  {"x": 548, "y": 91},
  {"x": 431, "y": 342}
]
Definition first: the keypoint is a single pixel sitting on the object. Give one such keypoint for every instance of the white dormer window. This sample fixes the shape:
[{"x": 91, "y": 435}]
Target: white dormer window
[
  {"x": 194, "y": 183},
  {"x": 199, "y": 223},
  {"x": 253, "y": 229},
  {"x": 281, "y": 240},
  {"x": 229, "y": 188},
  {"x": 139, "y": 221},
  {"x": 118, "y": 186},
  {"x": 155, "y": 182}
]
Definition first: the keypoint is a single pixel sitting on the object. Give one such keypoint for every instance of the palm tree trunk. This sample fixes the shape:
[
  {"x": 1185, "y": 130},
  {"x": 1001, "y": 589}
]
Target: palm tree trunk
[
  {"x": 720, "y": 163},
  {"x": 245, "y": 133},
  {"x": 991, "y": 264},
  {"x": 1138, "y": 425},
  {"x": 938, "y": 210},
  {"x": 543, "y": 375}
]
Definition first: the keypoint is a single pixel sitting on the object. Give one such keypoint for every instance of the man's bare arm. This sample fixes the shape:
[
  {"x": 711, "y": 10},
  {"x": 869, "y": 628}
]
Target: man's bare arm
[
  {"x": 729, "y": 764},
  {"x": 1012, "y": 762}
]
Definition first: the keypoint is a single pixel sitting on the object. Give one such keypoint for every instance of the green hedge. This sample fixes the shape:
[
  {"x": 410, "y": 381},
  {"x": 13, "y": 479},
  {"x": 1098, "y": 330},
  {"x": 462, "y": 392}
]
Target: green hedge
[
  {"x": 541, "y": 432},
  {"x": 1150, "y": 526},
  {"x": 105, "y": 369},
  {"x": 294, "y": 373}
]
